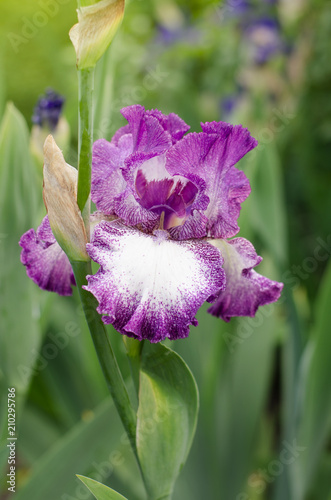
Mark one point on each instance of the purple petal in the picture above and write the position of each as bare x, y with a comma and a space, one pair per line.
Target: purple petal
148, 286
193, 227
245, 289
45, 261
107, 179
120, 132
234, 141
151, 190
130, 210
211, 155
147, 133
172, 123
234, 189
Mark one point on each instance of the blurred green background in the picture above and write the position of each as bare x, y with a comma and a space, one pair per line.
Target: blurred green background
265, 383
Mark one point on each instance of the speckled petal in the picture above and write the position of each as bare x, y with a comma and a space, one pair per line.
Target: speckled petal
148, 286
128, 209
245, 289
147, 135
147, 132
212, 155
145, 176
172, 123
193, 227
45, 261
107, 179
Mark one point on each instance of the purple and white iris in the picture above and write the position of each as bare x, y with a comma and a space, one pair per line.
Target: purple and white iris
170, 201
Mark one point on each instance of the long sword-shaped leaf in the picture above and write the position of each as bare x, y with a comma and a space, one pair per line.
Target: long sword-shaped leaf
97, 446
167, 416
314, 421
100, 491
20, 334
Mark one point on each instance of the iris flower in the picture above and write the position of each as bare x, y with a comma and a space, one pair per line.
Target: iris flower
167, 203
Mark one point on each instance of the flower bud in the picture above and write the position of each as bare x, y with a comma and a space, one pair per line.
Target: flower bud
60, 198
96, 28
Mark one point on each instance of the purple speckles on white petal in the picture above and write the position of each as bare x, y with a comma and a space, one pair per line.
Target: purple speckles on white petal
148, 286
45, 261
245, 289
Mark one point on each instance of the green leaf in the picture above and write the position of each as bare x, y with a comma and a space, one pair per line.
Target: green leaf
104, 95
100, 491
20, 199
241, 399
96, 445
314, 421
267, 214
167, 417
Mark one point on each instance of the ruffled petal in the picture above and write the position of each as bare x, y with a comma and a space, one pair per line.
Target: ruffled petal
172, 123
147, 132
147, 135
148, 286
128, 209
119, 133
45, 261
234, 190
245, 289
151, 190
107, 179
193, 227
235, 140
212, 155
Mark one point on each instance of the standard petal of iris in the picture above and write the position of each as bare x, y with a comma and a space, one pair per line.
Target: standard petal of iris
150, 287
212, 155
245, 289
148, 134
45, 261
141, 122
172, 123
107, 179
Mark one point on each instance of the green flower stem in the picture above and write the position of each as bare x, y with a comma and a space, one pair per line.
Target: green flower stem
97, 329
105, 353
85, 141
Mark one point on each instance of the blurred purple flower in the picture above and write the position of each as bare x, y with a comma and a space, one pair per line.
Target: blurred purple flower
237, 7
185, 32
229, 102
264, 40
48, 109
